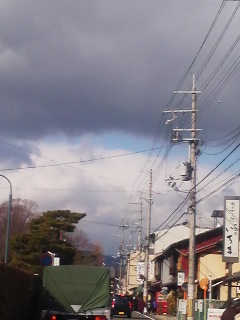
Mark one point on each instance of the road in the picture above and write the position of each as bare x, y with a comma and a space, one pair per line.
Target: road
135, 315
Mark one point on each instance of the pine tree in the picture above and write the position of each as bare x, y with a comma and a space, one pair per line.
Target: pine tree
46, 233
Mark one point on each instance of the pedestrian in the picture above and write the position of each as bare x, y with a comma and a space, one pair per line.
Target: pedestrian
141, 305
135, 303
231, 311
154, 307
149, 306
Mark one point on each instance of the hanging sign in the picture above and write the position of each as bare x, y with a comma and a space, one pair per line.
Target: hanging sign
231, 229
180, 277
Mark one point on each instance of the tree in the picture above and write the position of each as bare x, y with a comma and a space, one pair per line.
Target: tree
92, 254
80, 240
46, 233
98, 252
22, 212
87, 253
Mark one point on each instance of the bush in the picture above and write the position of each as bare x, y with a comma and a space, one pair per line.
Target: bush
172, 303
18, 291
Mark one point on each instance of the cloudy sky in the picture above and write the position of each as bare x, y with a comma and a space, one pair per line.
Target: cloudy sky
83, 87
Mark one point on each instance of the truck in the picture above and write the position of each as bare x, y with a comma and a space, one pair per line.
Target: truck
73, 292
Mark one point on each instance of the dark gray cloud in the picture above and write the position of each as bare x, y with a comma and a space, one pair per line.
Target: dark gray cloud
16, 154
75, 67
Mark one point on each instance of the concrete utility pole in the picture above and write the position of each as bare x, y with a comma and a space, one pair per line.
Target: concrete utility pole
140, 231
193, 141
145, 293
123, 227
139, 226
192, 210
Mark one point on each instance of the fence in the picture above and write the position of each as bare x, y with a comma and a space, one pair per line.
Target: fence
201, 309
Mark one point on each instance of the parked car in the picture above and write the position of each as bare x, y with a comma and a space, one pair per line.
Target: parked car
121, 305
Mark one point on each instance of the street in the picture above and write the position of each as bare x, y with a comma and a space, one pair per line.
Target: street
136, 315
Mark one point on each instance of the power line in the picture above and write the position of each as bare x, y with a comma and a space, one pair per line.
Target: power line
81, 161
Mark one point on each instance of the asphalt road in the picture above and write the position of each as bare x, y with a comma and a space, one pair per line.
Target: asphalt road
135, 315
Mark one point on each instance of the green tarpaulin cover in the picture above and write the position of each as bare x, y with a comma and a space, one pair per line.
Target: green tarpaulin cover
77, 288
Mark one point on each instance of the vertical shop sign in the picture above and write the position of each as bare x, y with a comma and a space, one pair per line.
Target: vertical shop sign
231, 229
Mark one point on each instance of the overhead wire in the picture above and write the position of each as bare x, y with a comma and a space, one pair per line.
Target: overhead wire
203, 43
199, 72
207, 60
217, 42
221, 85
232, 179
215, 46
206, 37
224, 159
197, 55
223, 137
228, 141
187, 196
78, 162
209, 183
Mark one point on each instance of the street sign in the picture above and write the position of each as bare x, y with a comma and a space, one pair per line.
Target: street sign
204, 283
180, 278
46, 259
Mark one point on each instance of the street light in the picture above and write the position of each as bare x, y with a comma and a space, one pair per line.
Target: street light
8, 218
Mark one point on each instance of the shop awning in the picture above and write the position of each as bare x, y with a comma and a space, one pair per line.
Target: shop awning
138, 289
235, 277
171, 283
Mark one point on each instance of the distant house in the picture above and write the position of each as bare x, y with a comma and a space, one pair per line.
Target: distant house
165, 261
135, 271
208, 263
171, 235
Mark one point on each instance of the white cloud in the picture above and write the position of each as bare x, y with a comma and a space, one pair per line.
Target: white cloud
104, 190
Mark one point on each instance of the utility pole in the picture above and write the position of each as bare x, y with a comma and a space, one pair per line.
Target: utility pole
139, 227
145, 293
140, 231
193, 141
192, 210
123, 227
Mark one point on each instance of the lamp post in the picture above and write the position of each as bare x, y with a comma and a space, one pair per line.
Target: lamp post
8, 219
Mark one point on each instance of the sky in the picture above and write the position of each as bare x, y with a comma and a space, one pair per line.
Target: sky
83, 90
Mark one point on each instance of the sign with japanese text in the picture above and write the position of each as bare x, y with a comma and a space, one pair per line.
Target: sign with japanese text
151, 270
214, 314
182, 306
180, 278
140, 272
231, 229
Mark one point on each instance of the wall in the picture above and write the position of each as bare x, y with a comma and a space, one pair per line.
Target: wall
131, 281
212, 264
132, 266
166, 237
165, 276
